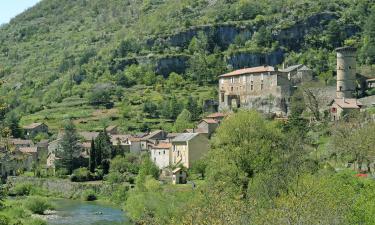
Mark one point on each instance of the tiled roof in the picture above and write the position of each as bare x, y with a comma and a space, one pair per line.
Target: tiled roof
88, 136
216, 115
348, 103
28, 149
172, 135
152, 134
21, 142
121, 137
185, 137
162, 145
32, 126
259, 69
291, 68
110, 128
211, 121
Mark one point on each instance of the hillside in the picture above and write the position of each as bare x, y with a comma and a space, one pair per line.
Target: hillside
66, 52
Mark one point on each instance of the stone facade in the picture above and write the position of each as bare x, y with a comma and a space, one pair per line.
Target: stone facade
346, 72
261, 88
188, 147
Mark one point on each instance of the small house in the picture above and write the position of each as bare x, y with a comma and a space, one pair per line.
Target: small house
33, 129
207, 126
160, 154
342, 106
188, 147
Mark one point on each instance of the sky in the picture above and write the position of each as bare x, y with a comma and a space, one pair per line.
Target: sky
11, 8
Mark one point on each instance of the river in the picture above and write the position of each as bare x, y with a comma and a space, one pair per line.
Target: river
72, 212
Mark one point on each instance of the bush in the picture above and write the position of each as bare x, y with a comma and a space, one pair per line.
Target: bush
36, 222
4, 220
80, 175
62, 173
21, 189
37, 205
88, 195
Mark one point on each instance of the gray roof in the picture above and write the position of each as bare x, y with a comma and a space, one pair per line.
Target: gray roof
304, 68
185, 137
291, 68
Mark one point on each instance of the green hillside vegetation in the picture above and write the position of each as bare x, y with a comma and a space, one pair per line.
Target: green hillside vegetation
105, 54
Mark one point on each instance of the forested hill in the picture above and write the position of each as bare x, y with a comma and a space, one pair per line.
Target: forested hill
64, 48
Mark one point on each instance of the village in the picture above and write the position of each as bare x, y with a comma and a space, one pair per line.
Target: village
265, 89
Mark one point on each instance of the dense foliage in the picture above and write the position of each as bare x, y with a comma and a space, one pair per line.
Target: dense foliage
98, 51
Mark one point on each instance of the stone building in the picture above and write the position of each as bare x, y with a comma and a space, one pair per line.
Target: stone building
343, 106
33, 129
262, 88
187, 148
298, 74
346, 72
160, 154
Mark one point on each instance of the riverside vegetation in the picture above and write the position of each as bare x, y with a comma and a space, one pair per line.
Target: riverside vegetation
87, 64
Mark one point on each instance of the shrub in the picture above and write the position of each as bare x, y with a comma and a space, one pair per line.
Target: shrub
37, 205
4, 220
62, 173
21, 189
88, 195
36, 222
80, 175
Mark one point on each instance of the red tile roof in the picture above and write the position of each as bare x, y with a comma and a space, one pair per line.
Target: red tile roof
259, 69
216, 115
162, 145
211, 121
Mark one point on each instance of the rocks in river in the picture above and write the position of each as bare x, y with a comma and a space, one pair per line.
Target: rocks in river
48, 215
98, 213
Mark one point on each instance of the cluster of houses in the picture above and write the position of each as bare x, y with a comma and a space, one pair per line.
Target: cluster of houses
167, 150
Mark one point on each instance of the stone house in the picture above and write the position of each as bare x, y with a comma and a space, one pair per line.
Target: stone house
298, 74
160, 154
207, 126
152, 139
33, 129
341, 106
12, 163
188, 147
32, 151
262, 88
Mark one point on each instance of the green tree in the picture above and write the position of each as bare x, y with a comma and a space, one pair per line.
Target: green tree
193, 107
92, 159
326, 77
12, 121
103, 148
367, 52
69, 148
183, 121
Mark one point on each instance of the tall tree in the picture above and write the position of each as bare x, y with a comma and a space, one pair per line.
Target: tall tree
69, 148
92, 159
103, 148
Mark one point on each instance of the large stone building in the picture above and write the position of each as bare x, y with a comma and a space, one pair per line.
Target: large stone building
262, 88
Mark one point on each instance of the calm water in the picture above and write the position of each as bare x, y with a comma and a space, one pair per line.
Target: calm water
71, 212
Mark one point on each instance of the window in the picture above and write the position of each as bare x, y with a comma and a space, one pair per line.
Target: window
159, 152
163, 152
231, 88
333, 110
261, 85
178, 153
340, 88
252, 85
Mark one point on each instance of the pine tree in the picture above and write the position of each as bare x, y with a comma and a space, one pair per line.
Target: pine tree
103, 147
92, 160
69, 147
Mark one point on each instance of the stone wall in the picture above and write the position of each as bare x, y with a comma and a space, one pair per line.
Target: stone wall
63, 187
